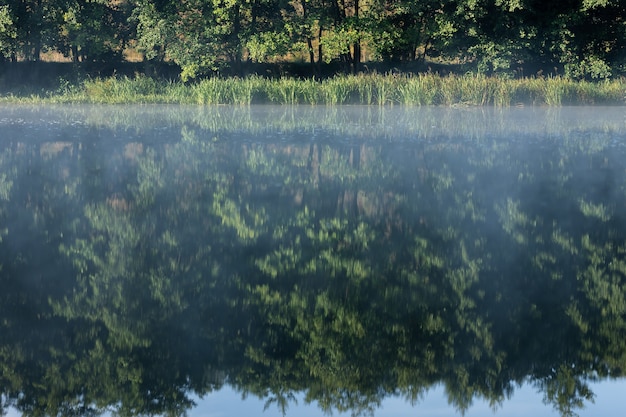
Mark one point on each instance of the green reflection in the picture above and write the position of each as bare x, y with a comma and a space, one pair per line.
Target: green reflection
347, 254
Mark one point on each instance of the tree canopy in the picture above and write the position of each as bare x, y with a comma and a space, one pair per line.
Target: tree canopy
577, 38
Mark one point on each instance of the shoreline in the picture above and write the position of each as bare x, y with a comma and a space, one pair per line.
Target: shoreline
426, 89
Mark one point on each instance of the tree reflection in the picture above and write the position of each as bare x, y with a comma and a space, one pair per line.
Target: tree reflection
137, 273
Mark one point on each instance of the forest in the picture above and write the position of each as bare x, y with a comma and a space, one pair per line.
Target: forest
580, 39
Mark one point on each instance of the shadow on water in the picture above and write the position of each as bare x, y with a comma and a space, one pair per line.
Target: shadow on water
152, 254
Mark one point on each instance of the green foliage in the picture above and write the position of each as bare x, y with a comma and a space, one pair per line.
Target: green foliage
337, 42
92, 30
266, 46
581, 40
8, 30
590, 66
195, 51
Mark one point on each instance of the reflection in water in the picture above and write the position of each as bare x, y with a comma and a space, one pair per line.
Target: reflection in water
350, 254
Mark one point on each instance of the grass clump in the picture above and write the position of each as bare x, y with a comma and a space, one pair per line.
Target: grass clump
368, 89
119, 90
420, 90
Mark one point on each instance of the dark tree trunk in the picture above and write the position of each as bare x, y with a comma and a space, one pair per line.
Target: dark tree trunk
319, 47
356, 53
236, 45
309, 41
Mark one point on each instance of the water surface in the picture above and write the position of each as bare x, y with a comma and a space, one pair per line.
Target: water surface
339, 257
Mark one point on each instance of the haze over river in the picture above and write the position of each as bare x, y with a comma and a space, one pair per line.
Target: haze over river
400, 261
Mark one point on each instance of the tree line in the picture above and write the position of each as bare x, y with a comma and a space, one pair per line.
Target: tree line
577, 38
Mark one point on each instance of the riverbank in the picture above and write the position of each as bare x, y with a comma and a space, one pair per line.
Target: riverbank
365, 89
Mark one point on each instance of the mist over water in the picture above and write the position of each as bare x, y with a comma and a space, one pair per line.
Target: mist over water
340, 255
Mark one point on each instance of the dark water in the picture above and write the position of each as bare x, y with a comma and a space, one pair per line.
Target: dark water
344, 256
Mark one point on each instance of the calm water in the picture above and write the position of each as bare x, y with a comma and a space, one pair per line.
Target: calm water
346, 259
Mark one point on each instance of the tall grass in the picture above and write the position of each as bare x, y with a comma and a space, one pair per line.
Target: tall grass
367, 89
420, 90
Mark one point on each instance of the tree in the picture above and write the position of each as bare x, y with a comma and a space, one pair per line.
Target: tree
95, 30
202, 36
33, 25
579, 39
8, 31
402, 31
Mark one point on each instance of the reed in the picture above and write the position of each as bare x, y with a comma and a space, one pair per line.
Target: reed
285, 91
368, 89
124, 90
310, 92
338, 90
386, 87
503, 92
209, 91
419, 90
